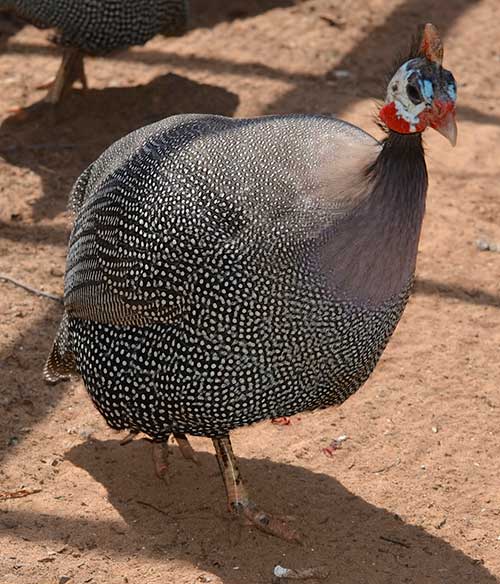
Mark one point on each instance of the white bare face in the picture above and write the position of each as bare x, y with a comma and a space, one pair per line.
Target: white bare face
405, 93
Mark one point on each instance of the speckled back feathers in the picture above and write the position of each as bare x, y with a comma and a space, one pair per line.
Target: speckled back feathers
195, 296
100, 26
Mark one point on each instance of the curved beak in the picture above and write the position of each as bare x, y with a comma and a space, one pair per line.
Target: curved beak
448, 127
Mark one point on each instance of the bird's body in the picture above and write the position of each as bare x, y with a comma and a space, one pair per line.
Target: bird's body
222, 271
198, 272
101, 26
98, 27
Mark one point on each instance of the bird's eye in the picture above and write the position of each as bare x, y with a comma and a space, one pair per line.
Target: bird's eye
414, 94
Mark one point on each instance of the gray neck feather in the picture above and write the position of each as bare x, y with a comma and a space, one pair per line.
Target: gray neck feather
369, 256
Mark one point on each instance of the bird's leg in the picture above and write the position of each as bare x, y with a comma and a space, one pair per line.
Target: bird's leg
129, 437
186, 448
160, 459
161, 453
237, 496
70, 70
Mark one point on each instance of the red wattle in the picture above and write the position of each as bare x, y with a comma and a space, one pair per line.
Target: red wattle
394, 121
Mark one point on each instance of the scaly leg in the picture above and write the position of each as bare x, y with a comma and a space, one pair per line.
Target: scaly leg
70, 70
186, 448
161, 454
238, 499
160, 459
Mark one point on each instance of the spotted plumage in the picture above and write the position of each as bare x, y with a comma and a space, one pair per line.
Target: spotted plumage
101, 26
195, 296
224, 271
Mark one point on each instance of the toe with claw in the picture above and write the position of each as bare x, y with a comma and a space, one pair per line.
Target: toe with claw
238, 500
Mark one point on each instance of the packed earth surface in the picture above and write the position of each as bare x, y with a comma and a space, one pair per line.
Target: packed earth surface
398, 485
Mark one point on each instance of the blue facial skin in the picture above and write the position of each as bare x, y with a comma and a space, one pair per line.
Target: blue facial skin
425, 85
442, 86
426, 89
452, 92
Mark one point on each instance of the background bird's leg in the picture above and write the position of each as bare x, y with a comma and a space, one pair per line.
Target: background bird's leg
185, 447
160, 459
237, 496
70, 70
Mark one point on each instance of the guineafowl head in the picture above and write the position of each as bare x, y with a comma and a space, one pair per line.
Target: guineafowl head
421, 93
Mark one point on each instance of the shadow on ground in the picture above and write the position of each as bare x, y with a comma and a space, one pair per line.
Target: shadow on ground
187, 520
429, 287
10, 25
25, 398
208, 13
58, 144
35, 233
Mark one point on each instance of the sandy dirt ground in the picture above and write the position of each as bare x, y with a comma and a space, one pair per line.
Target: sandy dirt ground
412, 496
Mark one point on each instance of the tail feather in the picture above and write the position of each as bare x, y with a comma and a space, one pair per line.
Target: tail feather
61, 363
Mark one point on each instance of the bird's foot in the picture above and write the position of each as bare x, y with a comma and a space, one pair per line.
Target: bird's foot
238, 500
281, 421
273, 525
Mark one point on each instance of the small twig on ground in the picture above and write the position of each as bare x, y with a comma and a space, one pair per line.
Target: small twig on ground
389, 466
48, 295
6, 495
333, 20
151, 506
395, 541
280, 572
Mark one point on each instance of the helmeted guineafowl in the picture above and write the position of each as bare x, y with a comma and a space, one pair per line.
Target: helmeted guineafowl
98, 27
223, 271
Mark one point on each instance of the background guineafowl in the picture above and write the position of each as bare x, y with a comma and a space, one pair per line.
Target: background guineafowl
98, 27
223, 271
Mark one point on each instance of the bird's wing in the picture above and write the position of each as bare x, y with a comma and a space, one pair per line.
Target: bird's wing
120, 269
134, 242
165, 202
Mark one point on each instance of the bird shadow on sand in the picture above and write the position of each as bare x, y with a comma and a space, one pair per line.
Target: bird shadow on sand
186, 520
208, 13
26, 399
59, 143
475, 115
477, 296
10, 25
35, 233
